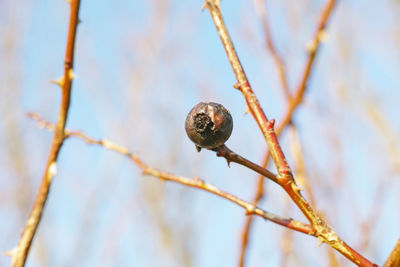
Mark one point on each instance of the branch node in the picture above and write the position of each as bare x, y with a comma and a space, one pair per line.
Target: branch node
106, 143
285, 179
211, 4
250, 210
241, 85
11, 253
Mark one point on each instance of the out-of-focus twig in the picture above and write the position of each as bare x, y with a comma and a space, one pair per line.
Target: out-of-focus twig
280, 64
249, 220
285, 178
20, 253
287, 250
197, 182
313, 48
302, 178
300, 170
375, 213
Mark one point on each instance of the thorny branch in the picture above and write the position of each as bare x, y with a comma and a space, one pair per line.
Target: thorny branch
266, 126
285, 177
197, 182
20, 253
293, 100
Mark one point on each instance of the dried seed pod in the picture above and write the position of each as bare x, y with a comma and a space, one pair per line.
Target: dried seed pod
209, 125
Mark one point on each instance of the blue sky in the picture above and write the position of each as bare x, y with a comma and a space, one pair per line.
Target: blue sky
141, 66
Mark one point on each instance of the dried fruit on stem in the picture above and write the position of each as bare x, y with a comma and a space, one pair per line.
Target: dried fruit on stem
209, 125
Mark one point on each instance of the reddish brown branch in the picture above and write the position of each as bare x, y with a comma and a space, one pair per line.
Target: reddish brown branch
313, 49
20, 253
196, 183
294, 101
394, 257
285, 178
266, 126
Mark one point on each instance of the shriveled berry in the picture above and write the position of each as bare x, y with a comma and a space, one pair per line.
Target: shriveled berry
209, 125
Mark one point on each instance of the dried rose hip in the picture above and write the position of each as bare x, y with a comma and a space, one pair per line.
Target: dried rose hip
209, 125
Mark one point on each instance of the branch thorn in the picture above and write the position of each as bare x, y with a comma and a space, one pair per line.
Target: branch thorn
237, 86
323, 35
229, 162
60, 81
320, 240
296, 187
12, 253
71, 74
271, 123
52, 171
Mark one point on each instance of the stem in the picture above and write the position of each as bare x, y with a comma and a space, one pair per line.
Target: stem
229, 155
20, 253
290, 187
